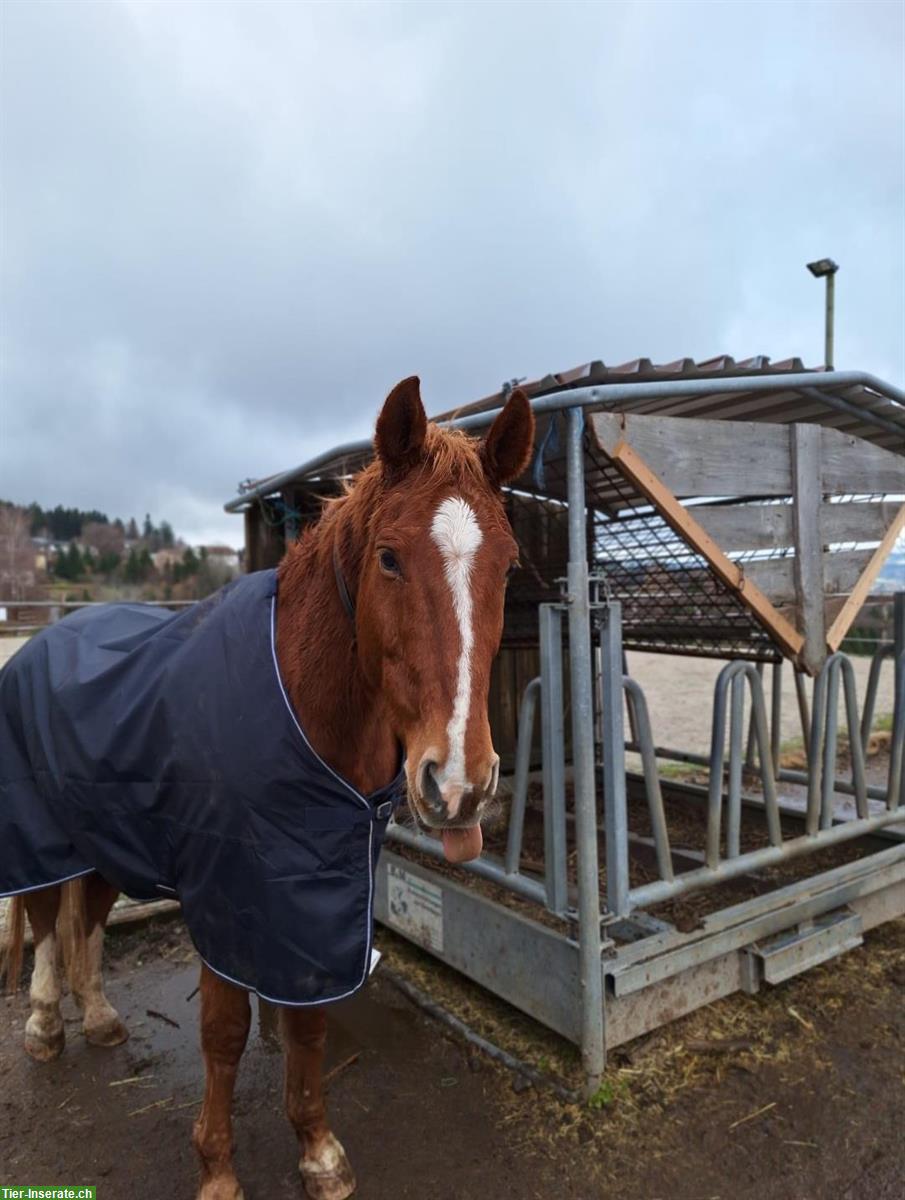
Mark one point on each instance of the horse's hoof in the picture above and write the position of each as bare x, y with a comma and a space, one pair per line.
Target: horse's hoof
326, 1174
43, 1046
222, 1188
109, 1033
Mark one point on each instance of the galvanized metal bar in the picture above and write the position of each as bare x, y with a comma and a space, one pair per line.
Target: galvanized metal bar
632, 724
734, 794
767, 771
732, 928
640, 720
593, 1040
870, 696
895, 790
763, 905
776, 715
553, 751
520, 783
874, 791
766, 856
856, 750
751, 745
852, 410
606, 394
897, 751
801, 695
815, 738
896, 783
615, 807
484, 867
828, 772
807, 565
715, 763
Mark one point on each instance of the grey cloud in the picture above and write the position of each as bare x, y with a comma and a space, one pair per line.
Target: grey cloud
227, 229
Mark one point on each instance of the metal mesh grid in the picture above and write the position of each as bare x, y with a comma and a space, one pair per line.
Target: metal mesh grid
671, 599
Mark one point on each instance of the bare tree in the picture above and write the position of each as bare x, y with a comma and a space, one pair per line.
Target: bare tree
104, 538
17, 554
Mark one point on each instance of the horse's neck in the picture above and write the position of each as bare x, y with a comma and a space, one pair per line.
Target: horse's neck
342, 718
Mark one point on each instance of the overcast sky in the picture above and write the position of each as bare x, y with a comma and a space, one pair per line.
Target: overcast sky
228, 229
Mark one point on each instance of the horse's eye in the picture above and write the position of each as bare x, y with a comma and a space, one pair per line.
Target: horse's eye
512, 568
389, 564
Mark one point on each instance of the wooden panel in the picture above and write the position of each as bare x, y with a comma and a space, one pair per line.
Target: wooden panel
738, 528
852, 465
776, 577
704, 458
679, 519
854, 522
840, 626
742, 527
693, 457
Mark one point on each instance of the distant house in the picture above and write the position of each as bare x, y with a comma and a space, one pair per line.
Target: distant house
45, 550
168, 557
226, 556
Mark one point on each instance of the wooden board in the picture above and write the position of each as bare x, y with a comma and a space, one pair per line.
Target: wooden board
850, 465
704, 458
776, 576
860, 592
739, 528
694, 457
684, 524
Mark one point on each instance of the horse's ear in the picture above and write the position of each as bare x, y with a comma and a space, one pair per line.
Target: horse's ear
401, 428
506, 450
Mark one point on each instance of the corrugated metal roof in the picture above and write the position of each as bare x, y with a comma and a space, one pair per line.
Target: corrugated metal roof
824, 403
637, 370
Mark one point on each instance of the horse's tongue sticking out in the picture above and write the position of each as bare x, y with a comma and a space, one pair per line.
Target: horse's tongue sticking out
459, 845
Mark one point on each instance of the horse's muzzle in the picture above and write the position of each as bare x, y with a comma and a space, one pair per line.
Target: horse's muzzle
447, 802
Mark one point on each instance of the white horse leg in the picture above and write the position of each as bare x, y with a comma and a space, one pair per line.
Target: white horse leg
44, 1033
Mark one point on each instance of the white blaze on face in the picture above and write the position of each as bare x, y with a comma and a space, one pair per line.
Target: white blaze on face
457, 534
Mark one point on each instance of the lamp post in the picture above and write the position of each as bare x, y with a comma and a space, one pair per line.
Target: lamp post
826, 268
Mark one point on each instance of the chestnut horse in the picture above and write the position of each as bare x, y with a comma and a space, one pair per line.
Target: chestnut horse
389, 614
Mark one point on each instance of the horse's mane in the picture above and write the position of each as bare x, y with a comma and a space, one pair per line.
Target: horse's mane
450, 458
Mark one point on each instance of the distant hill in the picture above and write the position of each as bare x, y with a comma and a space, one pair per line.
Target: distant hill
61, 524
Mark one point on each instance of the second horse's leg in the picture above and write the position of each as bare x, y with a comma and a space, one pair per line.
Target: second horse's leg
44, 1035
324, 1167
101, 1023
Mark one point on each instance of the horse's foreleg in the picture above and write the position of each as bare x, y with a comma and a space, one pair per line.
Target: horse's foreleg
324, 1167
100, 1022
225, 1018
44, 1034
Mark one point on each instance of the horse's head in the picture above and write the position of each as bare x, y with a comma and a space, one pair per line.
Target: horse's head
430, 600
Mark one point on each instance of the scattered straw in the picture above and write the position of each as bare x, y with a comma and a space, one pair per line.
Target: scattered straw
801, 1020
148, 1107
751, 1116
340, 1067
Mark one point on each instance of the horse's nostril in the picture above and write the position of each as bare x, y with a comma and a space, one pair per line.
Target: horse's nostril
429, 788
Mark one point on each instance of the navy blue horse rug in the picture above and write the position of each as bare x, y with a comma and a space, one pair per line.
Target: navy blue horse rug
160, 749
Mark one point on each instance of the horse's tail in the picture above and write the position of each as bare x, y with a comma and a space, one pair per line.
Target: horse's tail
13, 944
72, 932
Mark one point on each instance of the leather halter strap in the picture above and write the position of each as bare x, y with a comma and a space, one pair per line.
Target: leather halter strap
341, 586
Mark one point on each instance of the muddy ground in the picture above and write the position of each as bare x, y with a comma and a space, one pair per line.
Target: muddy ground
793, 1094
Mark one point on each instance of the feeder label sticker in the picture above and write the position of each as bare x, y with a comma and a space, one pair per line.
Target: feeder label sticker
415, 908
